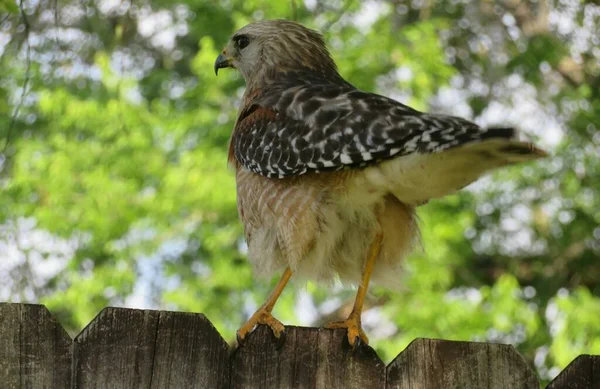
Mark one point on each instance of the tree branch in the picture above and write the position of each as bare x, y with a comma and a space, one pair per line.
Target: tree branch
15, 114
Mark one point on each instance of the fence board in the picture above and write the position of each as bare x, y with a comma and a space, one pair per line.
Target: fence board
432, 364
307, 358
190, 353
128, 348
582, 373
35, 351
116, 350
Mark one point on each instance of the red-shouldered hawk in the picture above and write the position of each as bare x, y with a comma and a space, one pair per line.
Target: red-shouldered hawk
328, 176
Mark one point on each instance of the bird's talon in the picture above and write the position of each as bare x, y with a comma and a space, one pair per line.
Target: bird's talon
281, 340
262, 316
355, 334
239, 338
275, 325
357, 342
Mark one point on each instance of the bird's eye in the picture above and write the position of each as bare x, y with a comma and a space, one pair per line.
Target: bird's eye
242, 41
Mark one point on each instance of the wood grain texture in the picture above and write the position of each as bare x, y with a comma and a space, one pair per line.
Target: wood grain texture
582, 373
126, 348
116, 350
189, 353
432, 364
35, 351
305, 358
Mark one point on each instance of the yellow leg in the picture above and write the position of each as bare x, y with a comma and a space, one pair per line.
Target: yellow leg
263, 314
353, 323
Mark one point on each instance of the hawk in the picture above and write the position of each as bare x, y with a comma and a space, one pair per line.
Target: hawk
328, 177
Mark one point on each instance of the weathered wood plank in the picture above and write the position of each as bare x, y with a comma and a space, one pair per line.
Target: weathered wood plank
582, 373
305, 358
432, 364
35, 351
127, 348
116, 350
190, 353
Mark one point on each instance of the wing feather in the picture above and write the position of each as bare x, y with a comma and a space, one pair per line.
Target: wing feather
322, 127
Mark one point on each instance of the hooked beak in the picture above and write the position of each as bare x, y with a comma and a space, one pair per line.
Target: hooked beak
222, 62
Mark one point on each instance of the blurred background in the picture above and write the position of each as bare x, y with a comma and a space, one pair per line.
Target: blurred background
114, 188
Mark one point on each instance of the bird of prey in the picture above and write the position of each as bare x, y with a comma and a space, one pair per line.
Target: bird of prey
328, 176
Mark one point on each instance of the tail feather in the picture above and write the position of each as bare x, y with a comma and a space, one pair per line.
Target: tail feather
523, 148
504, 144
499, 132
418, 178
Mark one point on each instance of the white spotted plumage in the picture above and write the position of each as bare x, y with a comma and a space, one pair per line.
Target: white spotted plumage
320, 126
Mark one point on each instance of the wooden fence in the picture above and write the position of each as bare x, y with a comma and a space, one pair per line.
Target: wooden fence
128, 348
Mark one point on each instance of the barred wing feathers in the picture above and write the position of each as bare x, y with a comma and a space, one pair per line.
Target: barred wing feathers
315, 128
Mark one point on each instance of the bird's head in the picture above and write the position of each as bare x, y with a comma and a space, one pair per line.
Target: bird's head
263, 49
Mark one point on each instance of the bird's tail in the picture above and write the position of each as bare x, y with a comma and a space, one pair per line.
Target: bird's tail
416, 179
502, 143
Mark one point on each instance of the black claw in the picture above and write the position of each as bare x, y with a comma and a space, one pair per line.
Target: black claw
358, 343
281, 340
239, 339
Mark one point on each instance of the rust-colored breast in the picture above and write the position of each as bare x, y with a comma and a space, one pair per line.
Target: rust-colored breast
289, 206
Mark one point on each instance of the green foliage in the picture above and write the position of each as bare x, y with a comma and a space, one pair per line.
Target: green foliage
576, 324
117, 154
8, 6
